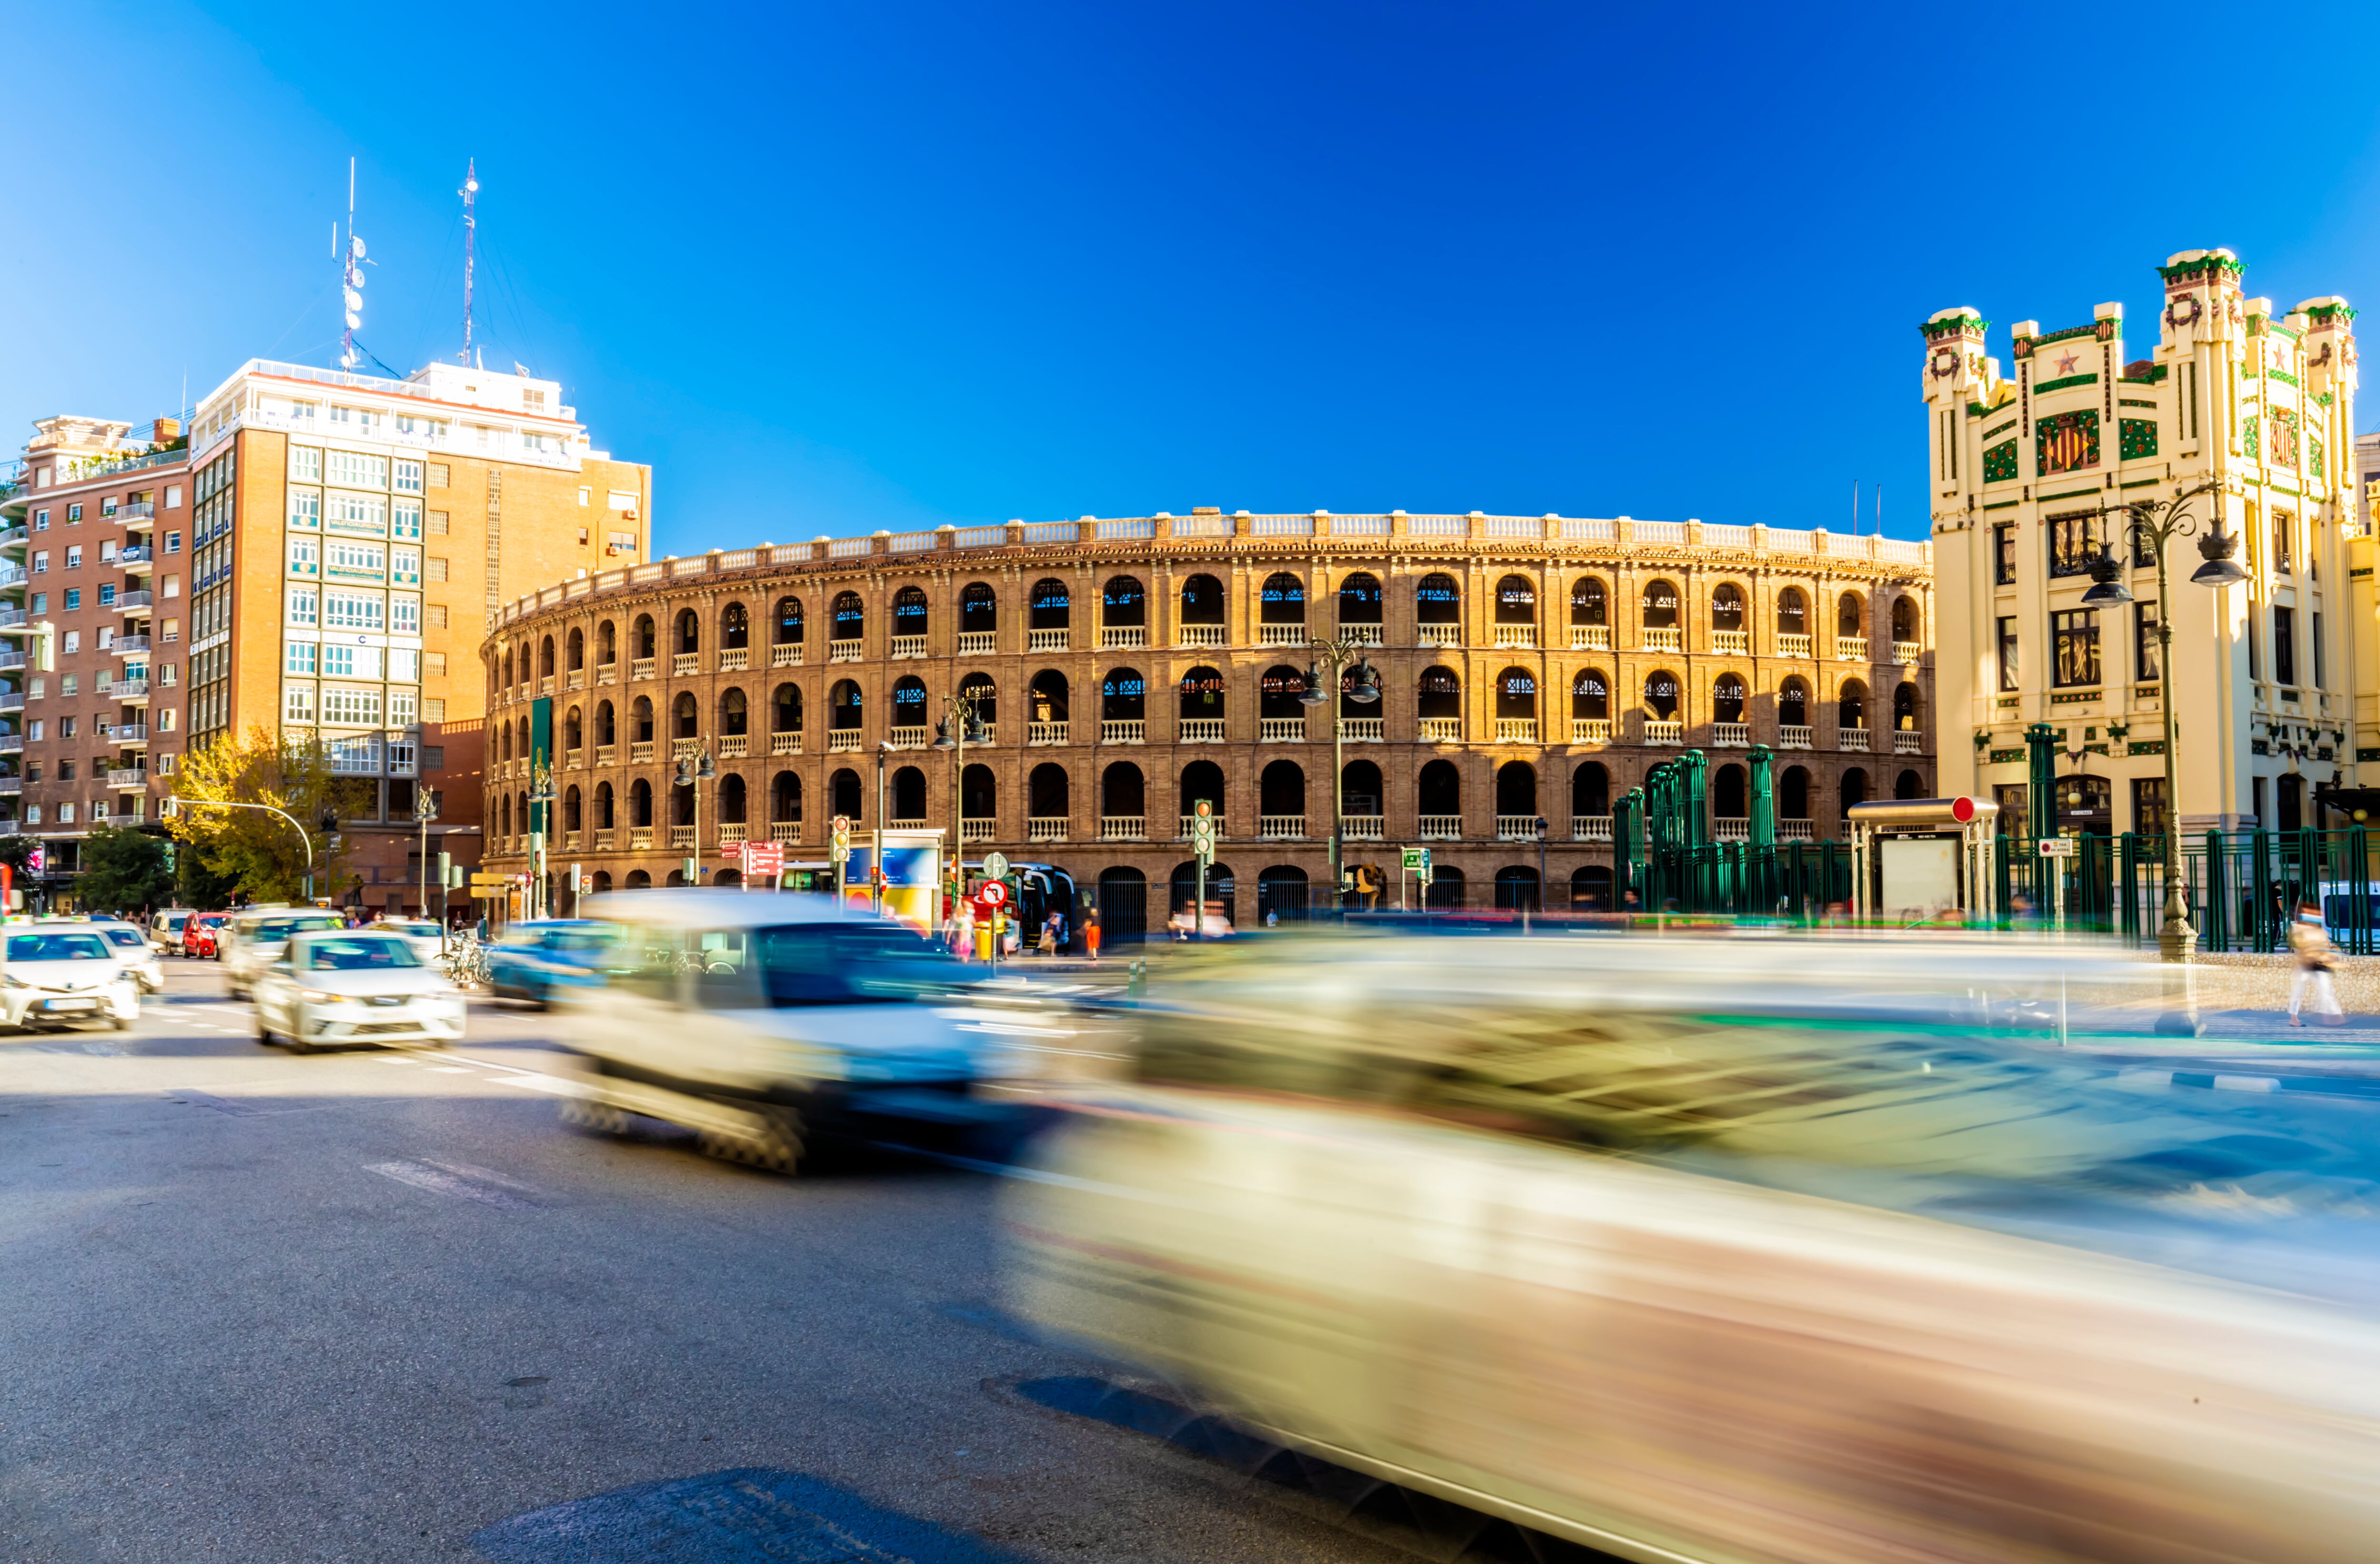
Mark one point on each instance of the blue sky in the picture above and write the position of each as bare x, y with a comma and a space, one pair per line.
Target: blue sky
832, 269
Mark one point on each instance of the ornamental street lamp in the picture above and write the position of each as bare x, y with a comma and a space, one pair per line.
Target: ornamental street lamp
2155, 523
1363, 690
959, 726
693, 770
425, 809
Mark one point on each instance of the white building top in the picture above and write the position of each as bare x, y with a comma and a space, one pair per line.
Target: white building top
444, 407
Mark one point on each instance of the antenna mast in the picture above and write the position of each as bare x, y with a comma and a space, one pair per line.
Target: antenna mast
351, 278
470, 234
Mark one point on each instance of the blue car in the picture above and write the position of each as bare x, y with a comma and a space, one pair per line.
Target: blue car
536, 961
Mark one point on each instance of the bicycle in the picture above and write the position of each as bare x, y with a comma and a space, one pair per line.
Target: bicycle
464, 962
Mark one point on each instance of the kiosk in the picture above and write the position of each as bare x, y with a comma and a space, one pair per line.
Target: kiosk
1923, 860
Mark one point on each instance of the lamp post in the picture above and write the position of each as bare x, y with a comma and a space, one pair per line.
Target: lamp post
876, 868
693, 770
1338, 654
540, 798
425, 809
959, 724
2156, 522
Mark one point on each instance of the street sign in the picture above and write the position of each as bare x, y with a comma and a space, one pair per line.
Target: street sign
995, 866
2055, 846
763, 858
992, 893
1417, 860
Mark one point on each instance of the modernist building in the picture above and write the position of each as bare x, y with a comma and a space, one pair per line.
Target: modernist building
1128, 669
321, 554
2024, 469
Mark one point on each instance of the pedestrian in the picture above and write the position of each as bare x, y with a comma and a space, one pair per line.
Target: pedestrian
1092, 932
2316, 959
963, 930
1050, 934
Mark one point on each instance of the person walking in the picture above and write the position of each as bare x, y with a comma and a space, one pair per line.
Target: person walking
2310, 942
1050, 934
1092, 933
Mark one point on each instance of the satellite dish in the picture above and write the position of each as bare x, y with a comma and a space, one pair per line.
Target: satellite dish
354, 301
354, 278
354, 320
356, 245
349, 360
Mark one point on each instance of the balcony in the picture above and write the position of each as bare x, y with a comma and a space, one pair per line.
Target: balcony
1363, 730
1282, 635
131, 692
1281, 730
12, 657
844, 651
603, 837
640, 669
908, 645
1796, 736
978, 831
735, 746
842, 741
12, 744
1664, 637
12, 537
132, 511
682, 837
129, 646
1048, 640
1449, 634
607, 754
12, 619
1850, 649
119, 779
1280, 828
11, 787
1590, 828
1907, 651
1730, 735
1732, 640
1123, 731
684, 748
1854, 739
978, 643
138, 561
1516, 730
1189, 822
1442, 828
1795, 831
640, 752
730, 833
545, 686
1201, 730
1363, 635
1516, 637
574, 679
786, 742
131, 602
12, 700
1442, 730
1123, 637
639, 838
127, 735
1724, 829
1201, 634
684, 664
1516, 827
1794, 645
909, 737
786, 654
1363, 828
1123, 828
1046, 830
1590, 729
1590, 637
785, 830
1658, 732
1908, 741
1046, 732
734, 660
607, 672
11, 575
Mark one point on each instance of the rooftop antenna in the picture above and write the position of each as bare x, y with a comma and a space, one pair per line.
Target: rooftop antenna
1879, 508
351, 277
470, 233
1855, 483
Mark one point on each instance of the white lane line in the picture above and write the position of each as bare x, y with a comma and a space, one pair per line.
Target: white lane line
449, 1070
445, 1182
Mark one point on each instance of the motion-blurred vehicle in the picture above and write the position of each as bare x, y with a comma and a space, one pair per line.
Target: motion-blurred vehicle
536, 960
54, 974
134, 954
427, 940
165, 930
202, 935
334, 987
1763, 1250
765, 1022
259, 935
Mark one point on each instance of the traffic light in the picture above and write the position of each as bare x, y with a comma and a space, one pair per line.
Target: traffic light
840, 840
169, 854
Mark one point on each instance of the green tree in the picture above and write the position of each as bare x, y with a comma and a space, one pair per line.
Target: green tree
124, 869
258, 854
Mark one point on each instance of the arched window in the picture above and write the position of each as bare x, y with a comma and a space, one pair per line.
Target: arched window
1851, 704
1516, 601
638, 880
1516, 888
910, 614
789, 622
1590, 698
1202, 601
735, 713
1278, 692
688, 715
689, 630
1221, 887
1661, 692
1121, 905
1439, 793
909, 702
1730, 793
640, 802
578, 650
1360, 789
1124, 695
1854, 789
1282, 601
1590, 791
545, 658
1726, 607
786, 709
1281, 792
843, 711
1438, 599
1202, 695
845, 796
1847, 615
1283, 895
1438, 694
1201, 779
1793, 794
504, 678
1794, 704
606, 729
574, 730
603, 803
1590, 888
1904, 619
1904, 708
1792, 612
734, 806
641, 721
1050, 608
1516, 695
642, 639
907, 804
607, 644
1045, 792
734, 628
978, 793
1909, 784
978, 609
505, 815
1589, 604
1046, 695
1661, 605
1727, 698
979, 687
850, 619
1516, 789
1123, 603
1359, 599
785, 798
1123, 794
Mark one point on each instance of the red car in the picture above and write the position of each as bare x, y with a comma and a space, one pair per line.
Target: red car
199, 934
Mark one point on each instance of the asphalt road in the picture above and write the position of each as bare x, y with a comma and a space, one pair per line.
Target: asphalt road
380, 1306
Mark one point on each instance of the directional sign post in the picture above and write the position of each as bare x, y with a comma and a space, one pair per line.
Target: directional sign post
995, 866
1417, 862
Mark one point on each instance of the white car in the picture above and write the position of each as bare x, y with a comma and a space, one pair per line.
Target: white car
165, 930
64, 971
256, 939
355, 986
429, 940
136, 956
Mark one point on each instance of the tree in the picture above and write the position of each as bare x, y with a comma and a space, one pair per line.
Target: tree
124, 869
257, 853
17, 849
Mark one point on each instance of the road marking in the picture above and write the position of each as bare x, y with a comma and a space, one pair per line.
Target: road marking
444, 1180
449, 1070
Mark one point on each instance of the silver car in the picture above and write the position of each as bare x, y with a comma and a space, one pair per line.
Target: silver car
135, 954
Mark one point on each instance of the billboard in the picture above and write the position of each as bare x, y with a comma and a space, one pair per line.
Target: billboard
912, 877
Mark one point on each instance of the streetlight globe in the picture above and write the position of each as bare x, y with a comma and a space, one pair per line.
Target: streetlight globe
942, 740
705, 771
2220, 569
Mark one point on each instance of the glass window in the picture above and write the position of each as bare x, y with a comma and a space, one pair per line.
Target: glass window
74, 598
300, 658
306, 508
405, 615
2285, 647
358, 469
57, 947
2145, 659
2004, 554
305, 464
369, 953
2076, 636
2073, 542
297, 703
303, 607
409, 478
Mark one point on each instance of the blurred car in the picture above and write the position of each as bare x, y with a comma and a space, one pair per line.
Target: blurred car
427, 940
134, 954
202, 934
764, 1021
1773, 1251
535, 961
165, 930
259, 935
58, 972
334, 987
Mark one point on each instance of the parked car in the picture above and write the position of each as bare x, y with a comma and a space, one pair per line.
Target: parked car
165, 930
202, 935
335, 986
53, 973
134, 954
259, 936
536, 961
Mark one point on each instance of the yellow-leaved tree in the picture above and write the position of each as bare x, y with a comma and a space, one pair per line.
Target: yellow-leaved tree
258, 852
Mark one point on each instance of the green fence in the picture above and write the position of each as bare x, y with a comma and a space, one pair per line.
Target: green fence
2240, 886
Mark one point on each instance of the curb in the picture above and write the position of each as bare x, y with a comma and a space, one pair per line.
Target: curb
2225, 1081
